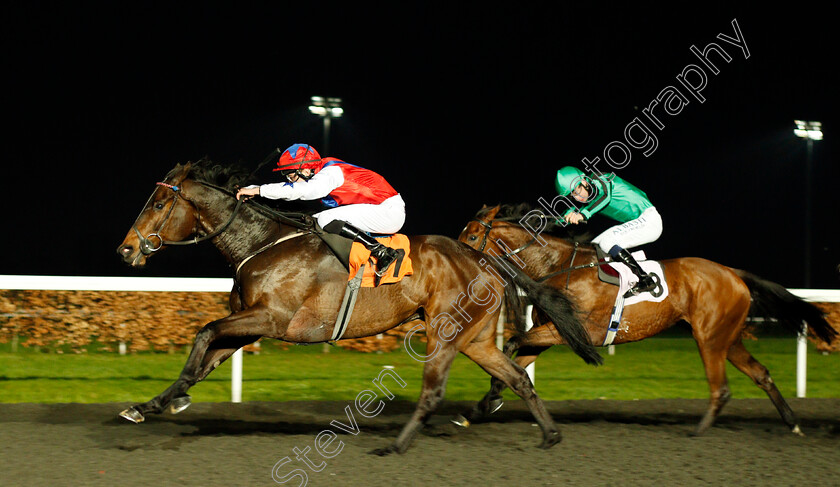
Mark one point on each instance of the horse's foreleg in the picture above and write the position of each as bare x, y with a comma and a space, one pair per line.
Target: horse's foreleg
178, 399
435, 373
746, 363
221, 350
157, 404
214, 342
492, 360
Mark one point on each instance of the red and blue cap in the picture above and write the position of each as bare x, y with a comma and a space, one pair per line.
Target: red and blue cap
297, 157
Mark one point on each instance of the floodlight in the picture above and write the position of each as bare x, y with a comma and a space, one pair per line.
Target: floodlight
808, 130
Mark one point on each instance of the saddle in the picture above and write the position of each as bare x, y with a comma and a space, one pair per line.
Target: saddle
620, 275
342, 248
354, 255
357, 260
606, 273
339, 245
361, 256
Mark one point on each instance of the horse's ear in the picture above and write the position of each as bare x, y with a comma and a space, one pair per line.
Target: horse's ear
493, 211
483, 206
178, 173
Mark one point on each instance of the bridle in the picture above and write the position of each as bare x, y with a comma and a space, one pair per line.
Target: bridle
489, 226
147, 246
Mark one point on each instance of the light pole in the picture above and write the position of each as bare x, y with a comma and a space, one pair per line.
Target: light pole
810, 131
328, 108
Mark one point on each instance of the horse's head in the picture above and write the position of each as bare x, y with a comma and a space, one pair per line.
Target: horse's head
511, 228
167, 216
477, 230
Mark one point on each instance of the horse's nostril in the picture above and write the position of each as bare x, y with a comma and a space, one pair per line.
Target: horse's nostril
125, 250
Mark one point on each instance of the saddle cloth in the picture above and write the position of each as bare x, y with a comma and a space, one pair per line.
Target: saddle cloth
360, 255
626, 277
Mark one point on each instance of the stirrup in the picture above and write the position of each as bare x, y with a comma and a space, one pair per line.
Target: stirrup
381, 270
637, 289
394, 255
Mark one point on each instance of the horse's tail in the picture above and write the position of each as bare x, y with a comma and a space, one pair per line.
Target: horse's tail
558, 307
516, 305
772, 300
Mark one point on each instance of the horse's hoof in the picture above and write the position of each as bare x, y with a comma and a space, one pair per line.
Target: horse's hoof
133, 415
461, 421
495, 405
552, 439
797, 431
384, 451
179, 404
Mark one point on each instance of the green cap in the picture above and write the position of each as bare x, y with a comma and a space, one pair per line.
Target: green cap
567, 180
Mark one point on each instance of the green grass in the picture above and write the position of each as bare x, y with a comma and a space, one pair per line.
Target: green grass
650, 369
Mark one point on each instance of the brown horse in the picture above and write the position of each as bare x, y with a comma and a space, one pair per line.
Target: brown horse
289, 286
714, 299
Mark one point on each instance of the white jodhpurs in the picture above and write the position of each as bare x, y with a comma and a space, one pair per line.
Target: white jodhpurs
386, 217
644, 229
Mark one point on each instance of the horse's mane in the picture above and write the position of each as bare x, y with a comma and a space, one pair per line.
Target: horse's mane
514, 212
224, 176
229, 177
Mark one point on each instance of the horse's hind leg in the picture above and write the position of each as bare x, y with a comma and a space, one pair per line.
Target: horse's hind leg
715, 365
746, 363
529, 346
492, 360
492, 401
435, 373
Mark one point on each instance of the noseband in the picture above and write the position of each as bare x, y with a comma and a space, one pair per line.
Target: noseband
147, 246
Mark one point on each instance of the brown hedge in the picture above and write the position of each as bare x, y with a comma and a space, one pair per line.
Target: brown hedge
160, 321
143, 320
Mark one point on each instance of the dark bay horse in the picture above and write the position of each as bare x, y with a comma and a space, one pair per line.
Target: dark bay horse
714, 299
288, 285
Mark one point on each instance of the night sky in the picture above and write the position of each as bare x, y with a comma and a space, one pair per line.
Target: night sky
455, 106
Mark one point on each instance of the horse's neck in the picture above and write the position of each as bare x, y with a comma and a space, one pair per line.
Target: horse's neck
249, 231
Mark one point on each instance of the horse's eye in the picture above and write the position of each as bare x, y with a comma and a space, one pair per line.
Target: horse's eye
158, 206
473, 237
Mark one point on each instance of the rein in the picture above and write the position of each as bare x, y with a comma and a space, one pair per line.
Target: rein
266, 247
570, 268
489, 226
146, 245
300, 221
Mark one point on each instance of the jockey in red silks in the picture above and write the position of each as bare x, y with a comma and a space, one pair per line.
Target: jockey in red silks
361, 201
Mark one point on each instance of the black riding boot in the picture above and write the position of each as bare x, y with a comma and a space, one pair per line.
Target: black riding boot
385, 256
645, 284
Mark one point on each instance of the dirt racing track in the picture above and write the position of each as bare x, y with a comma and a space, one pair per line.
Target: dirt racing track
617, 443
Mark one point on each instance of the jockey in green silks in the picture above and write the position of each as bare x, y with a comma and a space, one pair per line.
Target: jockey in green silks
613, 197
